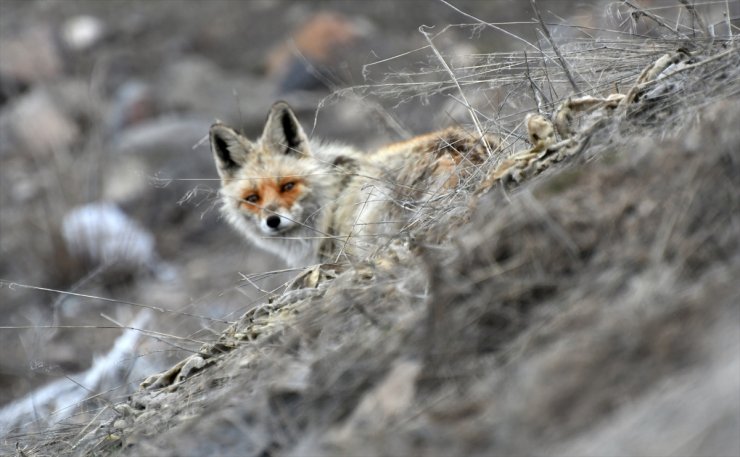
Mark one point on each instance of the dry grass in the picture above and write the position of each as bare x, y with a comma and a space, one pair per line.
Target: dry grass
585, 306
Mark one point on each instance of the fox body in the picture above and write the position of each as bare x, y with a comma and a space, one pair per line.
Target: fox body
308, 201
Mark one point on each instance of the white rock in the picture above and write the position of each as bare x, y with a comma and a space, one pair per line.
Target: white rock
60, 399
105, 235
82, 32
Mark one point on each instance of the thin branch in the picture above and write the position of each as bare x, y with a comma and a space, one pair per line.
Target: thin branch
11, 285
536, 91
471, 110
697, 17
488, 24
546, 31
728, 21
655, 18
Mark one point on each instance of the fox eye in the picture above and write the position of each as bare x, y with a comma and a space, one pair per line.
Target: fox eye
287, 186
254, 198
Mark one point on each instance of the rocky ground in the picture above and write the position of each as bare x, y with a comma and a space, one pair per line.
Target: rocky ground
578, 298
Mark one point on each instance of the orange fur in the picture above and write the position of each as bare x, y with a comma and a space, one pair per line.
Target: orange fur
416, 143
271, 196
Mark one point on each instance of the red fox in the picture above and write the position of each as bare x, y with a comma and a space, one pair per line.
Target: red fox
311, 202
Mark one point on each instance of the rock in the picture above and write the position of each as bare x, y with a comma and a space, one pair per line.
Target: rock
133, 103
321, 41
30, 56
38, 124
82, 32
197, 85
102, 234
162, 137
127, 179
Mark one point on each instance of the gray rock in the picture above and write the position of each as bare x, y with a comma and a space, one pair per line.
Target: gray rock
30, 56
162, 137
38, 124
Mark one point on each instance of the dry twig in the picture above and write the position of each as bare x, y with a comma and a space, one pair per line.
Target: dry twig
555, 47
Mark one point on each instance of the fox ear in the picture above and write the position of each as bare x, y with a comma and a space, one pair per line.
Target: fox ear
229, 151
283, 132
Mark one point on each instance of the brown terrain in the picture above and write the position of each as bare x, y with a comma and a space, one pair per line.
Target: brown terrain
575, 297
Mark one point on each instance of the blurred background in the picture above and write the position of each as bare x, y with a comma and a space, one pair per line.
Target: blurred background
107, 186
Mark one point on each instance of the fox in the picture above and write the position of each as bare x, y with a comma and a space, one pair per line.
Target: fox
310, 201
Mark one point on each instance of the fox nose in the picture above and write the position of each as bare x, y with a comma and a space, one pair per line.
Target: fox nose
273, 221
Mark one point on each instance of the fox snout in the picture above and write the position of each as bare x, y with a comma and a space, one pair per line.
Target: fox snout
275, 222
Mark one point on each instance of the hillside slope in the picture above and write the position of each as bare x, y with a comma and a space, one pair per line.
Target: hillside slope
590, 310
578, 297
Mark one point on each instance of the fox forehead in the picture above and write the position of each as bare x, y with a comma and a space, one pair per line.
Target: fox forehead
259, 168
259, 154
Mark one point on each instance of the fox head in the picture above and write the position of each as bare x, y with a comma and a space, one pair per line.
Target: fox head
267, 185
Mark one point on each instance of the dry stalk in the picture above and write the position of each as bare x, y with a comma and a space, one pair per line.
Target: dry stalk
563, 62
657, 19
466, 103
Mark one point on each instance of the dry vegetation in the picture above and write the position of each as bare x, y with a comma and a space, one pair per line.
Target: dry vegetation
575, 297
